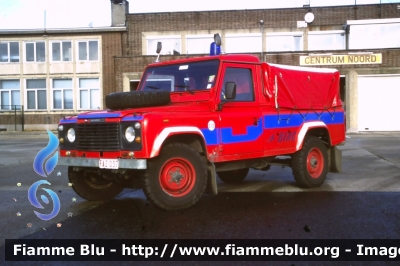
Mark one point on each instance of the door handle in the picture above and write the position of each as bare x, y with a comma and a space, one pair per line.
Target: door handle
256, 121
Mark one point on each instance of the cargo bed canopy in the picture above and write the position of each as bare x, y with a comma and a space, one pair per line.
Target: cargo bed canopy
301, 87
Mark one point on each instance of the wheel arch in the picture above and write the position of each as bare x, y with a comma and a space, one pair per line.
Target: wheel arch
191, 139
318, 129
191, 136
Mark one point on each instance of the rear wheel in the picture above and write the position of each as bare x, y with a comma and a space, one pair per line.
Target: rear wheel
92, 186
177, 178
310, 164
233, 176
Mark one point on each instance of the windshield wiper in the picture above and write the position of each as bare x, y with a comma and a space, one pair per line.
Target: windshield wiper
152, 87
185, 87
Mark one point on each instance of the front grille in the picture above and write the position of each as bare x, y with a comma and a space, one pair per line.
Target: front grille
98, 137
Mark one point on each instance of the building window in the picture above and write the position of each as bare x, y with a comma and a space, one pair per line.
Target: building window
284, 42
9, 52
36, 94
89, 93
62, 94
61, 51
370, 36
243, 43
198, 44
171, 45
88, 50
326, 40
35, 51
10, 94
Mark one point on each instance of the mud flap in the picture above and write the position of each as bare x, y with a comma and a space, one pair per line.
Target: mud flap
335, 160
212, 180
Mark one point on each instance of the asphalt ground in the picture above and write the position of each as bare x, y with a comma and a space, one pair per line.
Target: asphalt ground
362, 202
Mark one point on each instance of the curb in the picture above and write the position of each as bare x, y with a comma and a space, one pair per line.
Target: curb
14, 133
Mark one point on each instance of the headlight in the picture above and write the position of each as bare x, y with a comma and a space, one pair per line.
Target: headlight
129, 134
71, 135
60, 128
137, 125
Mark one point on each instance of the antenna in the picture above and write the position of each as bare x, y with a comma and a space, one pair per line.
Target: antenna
44, 18
262, 38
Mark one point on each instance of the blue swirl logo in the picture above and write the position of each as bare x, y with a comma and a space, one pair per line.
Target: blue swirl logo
43, 165
33, 200
40, 158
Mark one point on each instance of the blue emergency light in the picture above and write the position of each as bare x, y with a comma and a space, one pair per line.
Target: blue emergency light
215, 47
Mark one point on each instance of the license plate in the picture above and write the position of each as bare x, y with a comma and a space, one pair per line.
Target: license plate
109, 163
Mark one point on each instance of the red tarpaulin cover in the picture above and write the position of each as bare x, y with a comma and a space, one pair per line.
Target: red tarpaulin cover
301, 87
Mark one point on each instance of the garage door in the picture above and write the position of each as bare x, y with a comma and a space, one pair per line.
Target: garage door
378, 103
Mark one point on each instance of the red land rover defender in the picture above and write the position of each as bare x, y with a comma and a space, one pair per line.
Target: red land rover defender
193, 119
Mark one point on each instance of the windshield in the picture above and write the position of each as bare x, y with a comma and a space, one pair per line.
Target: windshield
181, 77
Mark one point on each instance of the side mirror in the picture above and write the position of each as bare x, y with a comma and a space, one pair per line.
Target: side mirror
230, 90
229, 94
159, 47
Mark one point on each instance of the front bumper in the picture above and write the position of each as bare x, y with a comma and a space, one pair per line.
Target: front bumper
86, 162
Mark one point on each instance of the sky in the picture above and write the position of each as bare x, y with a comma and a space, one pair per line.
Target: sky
53, 14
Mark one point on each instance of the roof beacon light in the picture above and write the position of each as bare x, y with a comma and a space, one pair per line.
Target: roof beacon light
215, 48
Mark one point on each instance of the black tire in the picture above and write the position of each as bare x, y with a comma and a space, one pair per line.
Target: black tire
233, 176
131, 99
93, 187
310, 164
176, 178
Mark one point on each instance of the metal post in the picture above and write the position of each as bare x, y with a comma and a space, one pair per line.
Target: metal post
22, 118
15, 117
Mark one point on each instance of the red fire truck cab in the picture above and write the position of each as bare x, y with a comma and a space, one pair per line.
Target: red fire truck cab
194, 119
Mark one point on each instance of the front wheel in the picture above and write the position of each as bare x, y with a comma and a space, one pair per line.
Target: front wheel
177, 178
92, 186
310, 164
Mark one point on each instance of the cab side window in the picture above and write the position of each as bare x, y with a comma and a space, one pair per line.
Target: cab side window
244, 84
